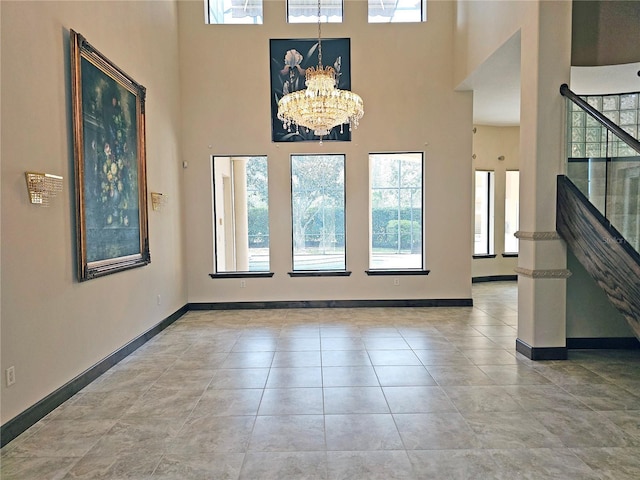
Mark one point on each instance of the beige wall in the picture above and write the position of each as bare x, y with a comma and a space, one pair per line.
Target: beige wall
404, 74
489, 143
54, 328
483, 26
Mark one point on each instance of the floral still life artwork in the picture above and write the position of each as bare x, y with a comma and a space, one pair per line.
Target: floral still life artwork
289, 61
108, 109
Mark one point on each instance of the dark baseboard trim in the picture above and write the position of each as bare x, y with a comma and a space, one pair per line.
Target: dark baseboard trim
33, 414
604, 343
495, 278
445, 302
541, 353
242, 275
390, 273
320, 273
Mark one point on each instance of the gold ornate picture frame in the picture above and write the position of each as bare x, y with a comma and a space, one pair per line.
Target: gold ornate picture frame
108, 109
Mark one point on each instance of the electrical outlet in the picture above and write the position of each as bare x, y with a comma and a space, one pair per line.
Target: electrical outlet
243, 283
396, 281
159, 299
11, 376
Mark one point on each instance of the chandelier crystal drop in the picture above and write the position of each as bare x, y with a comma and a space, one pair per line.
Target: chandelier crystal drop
321, 106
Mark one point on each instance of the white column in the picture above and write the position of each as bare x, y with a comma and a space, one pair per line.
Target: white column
545, 65
241, 237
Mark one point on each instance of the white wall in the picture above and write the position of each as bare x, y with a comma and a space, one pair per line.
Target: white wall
54, 328
404, 74
489, 143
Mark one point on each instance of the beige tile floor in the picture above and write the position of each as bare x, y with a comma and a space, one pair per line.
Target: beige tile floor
384, 393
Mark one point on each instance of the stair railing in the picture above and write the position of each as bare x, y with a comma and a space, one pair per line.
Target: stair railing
603, 160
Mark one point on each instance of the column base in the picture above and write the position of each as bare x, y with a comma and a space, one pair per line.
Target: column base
541, 353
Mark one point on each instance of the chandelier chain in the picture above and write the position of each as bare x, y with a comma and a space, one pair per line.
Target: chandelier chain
319, 38
322, 105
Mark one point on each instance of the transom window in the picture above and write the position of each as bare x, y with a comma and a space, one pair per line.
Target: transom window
317, 207
241, 214
233, 11
397, 11
396, 205
306, 11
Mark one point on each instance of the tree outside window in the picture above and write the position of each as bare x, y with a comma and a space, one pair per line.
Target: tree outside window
317, 205
396, 211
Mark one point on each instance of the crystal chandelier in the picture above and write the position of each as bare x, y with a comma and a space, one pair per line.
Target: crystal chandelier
321, 106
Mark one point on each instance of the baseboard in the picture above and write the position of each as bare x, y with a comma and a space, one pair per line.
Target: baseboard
445, 302
604, 343
33, 414
494, 278
541, 353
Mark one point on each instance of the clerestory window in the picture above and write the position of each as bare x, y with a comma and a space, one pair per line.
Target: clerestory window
397, 11
233, 11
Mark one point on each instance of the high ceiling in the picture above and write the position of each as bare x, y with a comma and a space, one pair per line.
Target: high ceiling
496, 87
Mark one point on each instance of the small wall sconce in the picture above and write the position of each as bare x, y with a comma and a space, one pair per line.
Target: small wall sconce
42, 187
501, 158
158, 200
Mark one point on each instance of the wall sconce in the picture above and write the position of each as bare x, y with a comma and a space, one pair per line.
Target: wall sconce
42, 187
501, 158
158, 200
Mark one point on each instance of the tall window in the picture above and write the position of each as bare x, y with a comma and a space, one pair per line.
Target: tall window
317, 207
306, 11
484, 213
397, 11
511, 211
233, 11
241, 214
396, 211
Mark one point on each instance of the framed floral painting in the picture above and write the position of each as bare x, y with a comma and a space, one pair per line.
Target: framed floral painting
289, 61
108, 110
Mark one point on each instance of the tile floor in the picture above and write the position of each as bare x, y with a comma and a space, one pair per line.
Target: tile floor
384, 393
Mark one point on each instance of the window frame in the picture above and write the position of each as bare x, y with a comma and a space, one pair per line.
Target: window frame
423, 15
215, 194
396, 270
314, 19
490, 213
318, 272
208, 17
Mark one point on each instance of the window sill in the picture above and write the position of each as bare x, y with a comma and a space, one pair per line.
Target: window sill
484, 256
395, 273
320, 273
241, 275
510, 255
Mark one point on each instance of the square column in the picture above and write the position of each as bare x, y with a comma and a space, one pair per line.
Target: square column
545, 65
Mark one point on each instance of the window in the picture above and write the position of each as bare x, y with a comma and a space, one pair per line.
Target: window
241, 214
306, 11
483, 241
397, 11
317, 207
511, 210
396, 211
233, 11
